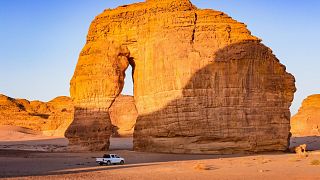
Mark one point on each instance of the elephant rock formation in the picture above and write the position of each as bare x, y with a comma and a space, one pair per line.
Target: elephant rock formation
202, 82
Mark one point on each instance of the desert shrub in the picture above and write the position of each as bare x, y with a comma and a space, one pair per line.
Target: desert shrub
202, 167
315, 162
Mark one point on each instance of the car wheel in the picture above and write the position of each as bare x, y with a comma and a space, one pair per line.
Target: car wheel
101, 164
121, 162
108, 163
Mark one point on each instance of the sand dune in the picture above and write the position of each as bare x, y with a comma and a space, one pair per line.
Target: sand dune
19, 138
12, 133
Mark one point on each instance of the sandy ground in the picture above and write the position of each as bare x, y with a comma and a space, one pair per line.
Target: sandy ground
40, 165
49, 160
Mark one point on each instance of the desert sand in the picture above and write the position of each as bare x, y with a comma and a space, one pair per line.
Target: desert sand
25, 154
38, 165
19, 138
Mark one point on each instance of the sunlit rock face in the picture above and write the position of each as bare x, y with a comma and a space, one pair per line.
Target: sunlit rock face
51, 118
123, 115
97, 81
307, 121
202, 82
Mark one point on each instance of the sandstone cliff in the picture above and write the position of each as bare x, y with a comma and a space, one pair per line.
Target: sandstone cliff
51, 118
54, 117
123, 115
307, 121
202, 82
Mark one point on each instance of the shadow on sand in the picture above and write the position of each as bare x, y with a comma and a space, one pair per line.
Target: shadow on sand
312, 142
15, 163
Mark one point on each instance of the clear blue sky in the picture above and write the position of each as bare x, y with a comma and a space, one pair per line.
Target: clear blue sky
41, 40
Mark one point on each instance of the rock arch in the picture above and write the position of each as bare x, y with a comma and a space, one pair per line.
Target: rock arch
202, 82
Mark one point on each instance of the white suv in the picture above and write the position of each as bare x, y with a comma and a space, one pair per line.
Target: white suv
109, 159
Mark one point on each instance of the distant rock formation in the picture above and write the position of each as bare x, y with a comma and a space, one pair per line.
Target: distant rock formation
51, 118
54, 117
123, 115
202, 82
307, 121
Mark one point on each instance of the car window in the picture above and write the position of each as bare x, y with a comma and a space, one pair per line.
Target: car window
106, 156
117, 156
112, 156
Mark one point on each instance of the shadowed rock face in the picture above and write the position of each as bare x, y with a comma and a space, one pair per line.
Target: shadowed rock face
202, 82
51, 118
307, 121
238, 103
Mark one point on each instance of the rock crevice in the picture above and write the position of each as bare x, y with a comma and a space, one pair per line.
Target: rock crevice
194, 29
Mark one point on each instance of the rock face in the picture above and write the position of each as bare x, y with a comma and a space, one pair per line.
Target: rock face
51, 118
202, 82
97, 81
123, 115
307, 121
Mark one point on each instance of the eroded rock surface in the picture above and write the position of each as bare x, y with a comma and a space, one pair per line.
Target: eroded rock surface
51, 118
202, 82
123, 114
97, 81
307, 121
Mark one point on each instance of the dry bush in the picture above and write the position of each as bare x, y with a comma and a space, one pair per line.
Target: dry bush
315, 162
262, 160
301, 151
295, 159
202, 167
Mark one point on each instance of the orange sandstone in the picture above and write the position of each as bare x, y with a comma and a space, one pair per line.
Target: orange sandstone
202, 82
123, 115
51, 118
307, 121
